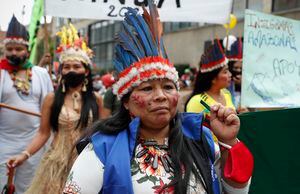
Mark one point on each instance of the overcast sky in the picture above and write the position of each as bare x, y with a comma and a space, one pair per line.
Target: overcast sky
10, 7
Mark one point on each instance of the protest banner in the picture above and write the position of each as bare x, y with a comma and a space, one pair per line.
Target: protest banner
213, 11
271, 62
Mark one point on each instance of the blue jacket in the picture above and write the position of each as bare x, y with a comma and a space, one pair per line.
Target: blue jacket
116, 152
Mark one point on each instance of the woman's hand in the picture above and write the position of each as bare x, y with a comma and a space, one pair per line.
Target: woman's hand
242, 109
17, 160
224, 123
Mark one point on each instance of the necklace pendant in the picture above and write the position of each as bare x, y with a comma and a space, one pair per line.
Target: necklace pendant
155, 162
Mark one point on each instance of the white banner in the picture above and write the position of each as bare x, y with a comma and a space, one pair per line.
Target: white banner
208, 11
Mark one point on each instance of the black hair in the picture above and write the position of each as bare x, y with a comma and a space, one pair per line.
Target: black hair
193, 155
89, 103
203, 83
230, 65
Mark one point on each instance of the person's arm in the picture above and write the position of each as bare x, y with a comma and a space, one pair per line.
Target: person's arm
236, 159
41, 136
45, 60
86, 175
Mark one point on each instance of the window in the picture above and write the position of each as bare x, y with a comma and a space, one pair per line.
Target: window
255, 5
283, 5
102, 42
176, 26
238, 8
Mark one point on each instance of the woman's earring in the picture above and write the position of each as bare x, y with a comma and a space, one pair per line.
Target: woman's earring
63, 86
86, 81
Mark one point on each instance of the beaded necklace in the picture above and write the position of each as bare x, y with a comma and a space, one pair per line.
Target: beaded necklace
22, 84
155, 153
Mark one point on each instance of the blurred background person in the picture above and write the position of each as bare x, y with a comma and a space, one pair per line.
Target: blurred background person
111, 103
72, 108
211, 82
235, 64
23, 86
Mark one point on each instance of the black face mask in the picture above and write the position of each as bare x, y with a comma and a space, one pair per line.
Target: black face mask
73, 79
15, 60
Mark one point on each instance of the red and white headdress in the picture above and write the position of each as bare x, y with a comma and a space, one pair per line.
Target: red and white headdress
139, 53
213, 58
236, 51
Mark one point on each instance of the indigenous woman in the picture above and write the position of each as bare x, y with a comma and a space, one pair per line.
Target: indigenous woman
73, 107
147, 147
211, 82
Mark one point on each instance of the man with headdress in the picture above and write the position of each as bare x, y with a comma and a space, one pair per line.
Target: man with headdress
23, 86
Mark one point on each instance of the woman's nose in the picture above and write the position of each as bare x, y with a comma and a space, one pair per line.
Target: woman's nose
159, 94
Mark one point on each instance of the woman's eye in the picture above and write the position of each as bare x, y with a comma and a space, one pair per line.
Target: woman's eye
147, 88
169, 87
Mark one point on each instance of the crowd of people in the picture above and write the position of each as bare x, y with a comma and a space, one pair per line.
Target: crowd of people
121, 132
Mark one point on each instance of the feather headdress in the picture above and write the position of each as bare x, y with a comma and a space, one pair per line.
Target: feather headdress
139, 52
73, 47
236, 51
213, 58
16, 33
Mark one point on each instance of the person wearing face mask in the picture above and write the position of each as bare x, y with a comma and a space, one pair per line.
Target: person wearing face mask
147, 146
24, 86
67, 112
235, 57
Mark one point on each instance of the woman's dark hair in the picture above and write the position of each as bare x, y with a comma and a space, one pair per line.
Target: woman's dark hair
193, 155
89, 103
203, 83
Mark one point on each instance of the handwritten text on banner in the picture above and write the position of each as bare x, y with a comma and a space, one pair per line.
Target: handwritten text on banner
271, 65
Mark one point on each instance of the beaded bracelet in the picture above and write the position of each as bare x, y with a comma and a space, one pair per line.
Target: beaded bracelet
26, 153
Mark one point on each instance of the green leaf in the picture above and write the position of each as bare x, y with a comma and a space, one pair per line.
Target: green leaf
153, 179
143, 179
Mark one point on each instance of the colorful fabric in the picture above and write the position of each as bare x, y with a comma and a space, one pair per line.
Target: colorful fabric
146, 69
213, 58
195, 106
236, 51
52, 172
4, 64
72, 47
18, 129
109, 148
89, 174
239, 164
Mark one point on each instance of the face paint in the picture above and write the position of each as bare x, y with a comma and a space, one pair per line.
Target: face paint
175, 99
139, 100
